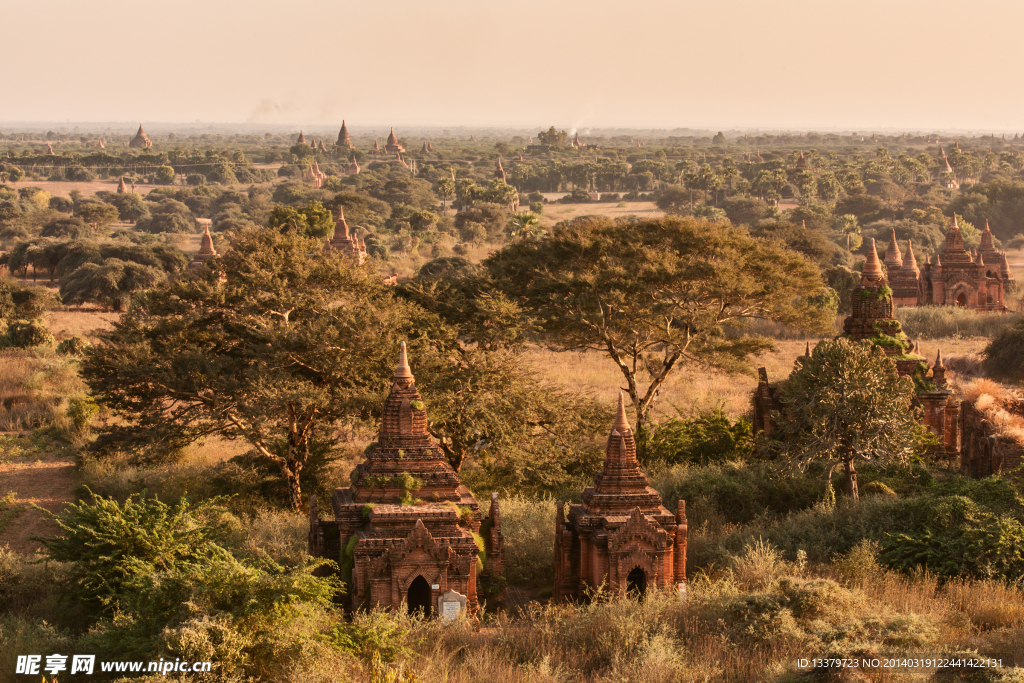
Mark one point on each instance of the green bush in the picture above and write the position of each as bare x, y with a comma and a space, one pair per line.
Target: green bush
73, 346
955, 528
708, 437
528, 525
24, 334
82, 409
737, 493
1004, 355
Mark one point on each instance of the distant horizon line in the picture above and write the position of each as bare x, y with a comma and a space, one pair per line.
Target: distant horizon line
471, 128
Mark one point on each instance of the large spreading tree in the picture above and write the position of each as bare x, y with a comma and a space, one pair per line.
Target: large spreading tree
658, 293
279, 344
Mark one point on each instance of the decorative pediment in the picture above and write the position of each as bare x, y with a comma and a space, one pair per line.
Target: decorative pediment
418, 546
638, 529
638, 558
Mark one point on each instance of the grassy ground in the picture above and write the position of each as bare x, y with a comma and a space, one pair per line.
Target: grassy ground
553, 213
693, 389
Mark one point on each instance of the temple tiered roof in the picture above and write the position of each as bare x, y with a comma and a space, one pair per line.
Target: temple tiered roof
343, 138
206, 250
404, 446
344, 241
141, 140
621, 486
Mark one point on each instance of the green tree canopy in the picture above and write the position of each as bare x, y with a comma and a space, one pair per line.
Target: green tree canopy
112, 283
311, 220
655, 293
845, 402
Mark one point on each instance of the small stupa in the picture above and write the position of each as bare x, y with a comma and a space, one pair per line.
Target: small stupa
206, 251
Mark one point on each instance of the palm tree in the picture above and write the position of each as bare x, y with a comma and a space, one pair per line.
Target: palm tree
525, 224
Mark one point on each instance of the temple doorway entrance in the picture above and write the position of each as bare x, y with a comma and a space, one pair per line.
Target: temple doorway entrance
636, 583
419, 596
961, 300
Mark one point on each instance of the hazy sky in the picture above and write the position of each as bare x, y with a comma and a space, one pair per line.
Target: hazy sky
720, 64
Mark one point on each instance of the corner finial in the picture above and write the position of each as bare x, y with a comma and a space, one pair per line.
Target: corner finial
621, 423
807, 351
938, 359
403, 371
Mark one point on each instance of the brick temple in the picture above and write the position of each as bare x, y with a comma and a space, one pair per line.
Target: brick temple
140, 141
621, 536
344, 241
407, 530
872, 318
206, 251
975, 279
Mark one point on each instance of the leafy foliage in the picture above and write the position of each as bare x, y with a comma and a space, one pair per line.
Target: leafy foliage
653, 294
845, 402
707, 437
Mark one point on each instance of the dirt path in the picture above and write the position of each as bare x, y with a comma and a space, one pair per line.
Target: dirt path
29, 476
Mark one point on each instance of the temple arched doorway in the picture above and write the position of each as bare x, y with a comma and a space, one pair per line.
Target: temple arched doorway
636, 583
961, 300
419, 596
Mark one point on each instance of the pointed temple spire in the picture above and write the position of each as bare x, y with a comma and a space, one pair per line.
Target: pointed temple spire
621, 424
403, 371
893, 257
986, 239
121, 187
909, 260
206, 243
302, 139
341, 226
343, 137
872, 266
807, 350
954, 249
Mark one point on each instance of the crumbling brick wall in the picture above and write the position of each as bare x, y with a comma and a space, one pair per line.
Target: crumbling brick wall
983, 452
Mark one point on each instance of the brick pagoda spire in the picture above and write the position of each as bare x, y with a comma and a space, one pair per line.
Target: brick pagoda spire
206, 251
405, 527
344, 241
621, 535
343, 138
141, 140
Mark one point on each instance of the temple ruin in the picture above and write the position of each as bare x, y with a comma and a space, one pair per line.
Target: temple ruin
392, 146
343, 137
956, 277
407, 531
872, 318
141, 140
206, 251
344, 241
621, 536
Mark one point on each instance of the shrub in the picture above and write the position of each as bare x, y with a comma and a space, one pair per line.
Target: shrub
710, 436
937, 322
73, 346
24, 334
528, 525
1004, 355
81, 410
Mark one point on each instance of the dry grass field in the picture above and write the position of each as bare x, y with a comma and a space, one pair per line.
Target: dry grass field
690, 390
553, 213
